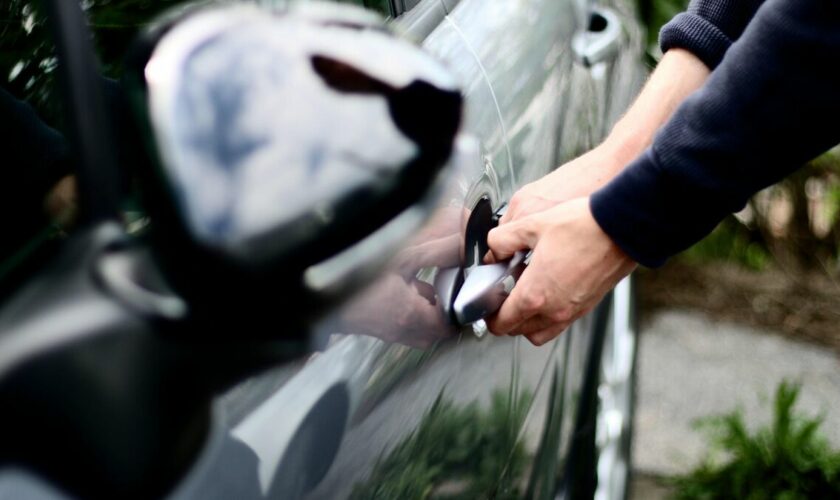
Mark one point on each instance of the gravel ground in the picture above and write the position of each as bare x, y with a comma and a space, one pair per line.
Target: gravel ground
692, 367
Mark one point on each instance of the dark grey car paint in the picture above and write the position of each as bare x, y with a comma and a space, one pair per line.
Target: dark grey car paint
531, 107
317, 427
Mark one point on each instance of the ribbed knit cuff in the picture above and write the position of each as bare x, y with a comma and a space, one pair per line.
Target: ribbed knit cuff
697, 35
617, 209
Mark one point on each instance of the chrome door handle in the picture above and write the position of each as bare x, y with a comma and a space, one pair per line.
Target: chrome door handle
600, 40
486, 287
472, 292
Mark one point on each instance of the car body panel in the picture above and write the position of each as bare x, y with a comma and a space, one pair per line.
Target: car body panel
386, 401
524, 50
394, 389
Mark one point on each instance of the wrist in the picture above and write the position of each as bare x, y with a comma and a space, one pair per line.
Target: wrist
623, 145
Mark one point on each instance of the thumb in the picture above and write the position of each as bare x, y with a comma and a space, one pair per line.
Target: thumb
507, 239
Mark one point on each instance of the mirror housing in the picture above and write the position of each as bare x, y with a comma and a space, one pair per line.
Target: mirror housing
281, 139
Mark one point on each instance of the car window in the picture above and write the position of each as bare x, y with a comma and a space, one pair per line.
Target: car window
38, 204
409, 4
34, 185
381, 6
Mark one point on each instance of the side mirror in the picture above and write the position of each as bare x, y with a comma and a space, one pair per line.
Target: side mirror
282, 140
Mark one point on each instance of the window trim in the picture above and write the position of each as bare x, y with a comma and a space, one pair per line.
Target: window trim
422, 19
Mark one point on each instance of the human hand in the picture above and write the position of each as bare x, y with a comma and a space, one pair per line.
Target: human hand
443, 252
440, 243
677, 75
398, 307
579, 177
61, 203
398, 310
574, 264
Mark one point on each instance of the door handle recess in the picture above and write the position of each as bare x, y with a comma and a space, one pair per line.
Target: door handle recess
476, 290
600, 40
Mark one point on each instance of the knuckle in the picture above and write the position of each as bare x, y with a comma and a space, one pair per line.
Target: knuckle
497, 236
531, 302
562, 316
405, 318
530, 231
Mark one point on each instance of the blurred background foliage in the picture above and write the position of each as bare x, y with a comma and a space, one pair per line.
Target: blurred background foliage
792, 225
654, 14
788, 458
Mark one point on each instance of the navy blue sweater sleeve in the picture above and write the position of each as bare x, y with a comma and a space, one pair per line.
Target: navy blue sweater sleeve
771, 105
708, 27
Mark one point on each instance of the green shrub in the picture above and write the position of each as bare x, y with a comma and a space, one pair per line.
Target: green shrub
787, 459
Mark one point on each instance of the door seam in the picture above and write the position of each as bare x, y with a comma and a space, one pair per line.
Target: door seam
492, 95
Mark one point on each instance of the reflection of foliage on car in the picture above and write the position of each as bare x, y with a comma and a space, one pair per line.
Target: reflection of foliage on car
27, 58
399, 361
546, 463
456, 452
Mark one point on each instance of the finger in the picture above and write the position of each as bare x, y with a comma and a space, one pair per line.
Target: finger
505, 240
535, 324
507, 216
490, 329
489, 258
442, 252
425, 290
546, 335
529, 206
514, 310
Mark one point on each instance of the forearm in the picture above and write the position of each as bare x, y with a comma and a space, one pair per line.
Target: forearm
767, 109
693, 42
677, 75
708, 28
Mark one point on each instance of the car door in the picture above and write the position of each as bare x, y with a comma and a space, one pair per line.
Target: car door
394, 391
524, 50
383, 408
562, 73
377, 411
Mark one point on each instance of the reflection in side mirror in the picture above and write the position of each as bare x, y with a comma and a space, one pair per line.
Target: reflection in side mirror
281, 140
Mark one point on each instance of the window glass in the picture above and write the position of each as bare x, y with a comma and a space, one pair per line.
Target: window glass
410, 4
34, 169
381, 6
37, 191
37, 185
